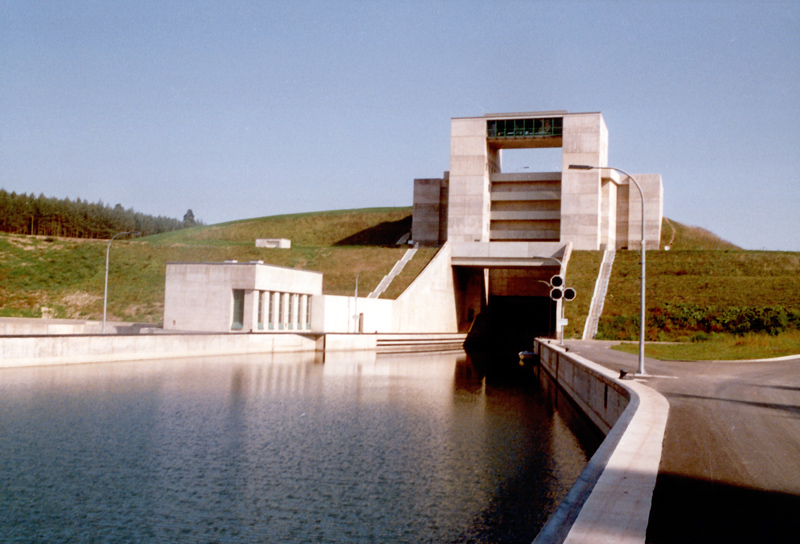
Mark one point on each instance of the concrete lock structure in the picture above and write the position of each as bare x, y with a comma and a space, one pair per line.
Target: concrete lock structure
511, 232
503, 236
476, 202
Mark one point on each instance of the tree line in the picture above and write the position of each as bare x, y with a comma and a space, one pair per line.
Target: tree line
47, 216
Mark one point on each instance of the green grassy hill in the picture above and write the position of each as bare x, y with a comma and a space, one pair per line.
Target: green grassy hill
702, 285
676, 236
64, 277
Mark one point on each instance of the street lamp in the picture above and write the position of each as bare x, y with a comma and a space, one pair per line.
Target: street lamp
642, 281
356, 303
105, 290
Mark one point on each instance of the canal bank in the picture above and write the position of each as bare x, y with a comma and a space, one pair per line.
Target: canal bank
611, 500
57, 349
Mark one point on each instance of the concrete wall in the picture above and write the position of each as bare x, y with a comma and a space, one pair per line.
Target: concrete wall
199, 296
611, 499
585, 142
17, 326
629, 212
429, 303
526, 206
429, 218
26, 326
350, 342
602, 399
579, 206
608, 215
337, 314
43, 350
471, 162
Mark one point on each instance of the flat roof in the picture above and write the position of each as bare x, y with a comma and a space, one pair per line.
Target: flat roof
528, 114
239, 263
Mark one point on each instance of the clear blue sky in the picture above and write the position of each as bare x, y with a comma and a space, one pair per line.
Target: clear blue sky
245, 109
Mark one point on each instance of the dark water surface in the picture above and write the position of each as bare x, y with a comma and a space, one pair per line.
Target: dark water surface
412, 448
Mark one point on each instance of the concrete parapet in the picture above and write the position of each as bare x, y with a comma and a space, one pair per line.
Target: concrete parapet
610, 501
420, 342
350, 342
71, 349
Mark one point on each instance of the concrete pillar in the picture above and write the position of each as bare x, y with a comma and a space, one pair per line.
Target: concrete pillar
471, 161
250, 309
303, 311
585, 141
654, 211
608, 220
283, 301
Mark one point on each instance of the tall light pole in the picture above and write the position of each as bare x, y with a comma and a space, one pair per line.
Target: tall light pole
356, 303
105, 289
640, 370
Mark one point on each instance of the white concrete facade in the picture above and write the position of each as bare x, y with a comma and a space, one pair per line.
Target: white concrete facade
478, 202
254, 297
239, 297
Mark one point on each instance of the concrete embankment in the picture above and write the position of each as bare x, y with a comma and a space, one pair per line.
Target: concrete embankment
70, 349
53, 349
610, 501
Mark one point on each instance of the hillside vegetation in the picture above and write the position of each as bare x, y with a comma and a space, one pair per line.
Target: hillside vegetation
676, 236
45, 216
63, 277
702, 285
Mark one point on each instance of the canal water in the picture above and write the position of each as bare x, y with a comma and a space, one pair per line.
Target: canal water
283, 448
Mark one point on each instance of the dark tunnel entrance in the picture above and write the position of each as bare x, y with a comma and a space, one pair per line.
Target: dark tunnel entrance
510, 323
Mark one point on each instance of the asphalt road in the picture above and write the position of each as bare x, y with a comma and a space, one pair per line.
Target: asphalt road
730, 465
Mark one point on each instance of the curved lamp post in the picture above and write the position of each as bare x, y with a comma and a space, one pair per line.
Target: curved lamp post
640, 370
105, 289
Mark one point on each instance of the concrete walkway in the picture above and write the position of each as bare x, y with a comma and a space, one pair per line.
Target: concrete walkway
730, 464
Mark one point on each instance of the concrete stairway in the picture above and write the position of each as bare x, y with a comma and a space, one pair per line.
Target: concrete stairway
396, 269
599, 297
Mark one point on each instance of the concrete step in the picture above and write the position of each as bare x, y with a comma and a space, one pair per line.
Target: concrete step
599, 296
396, 269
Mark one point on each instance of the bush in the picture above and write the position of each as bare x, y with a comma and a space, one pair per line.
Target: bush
697, 322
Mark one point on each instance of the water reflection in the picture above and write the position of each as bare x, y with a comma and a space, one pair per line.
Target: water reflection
281, 448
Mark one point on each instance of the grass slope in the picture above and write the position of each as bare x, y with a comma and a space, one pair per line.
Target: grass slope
701, 275
65, 276
581, 275
679, 236
702, 285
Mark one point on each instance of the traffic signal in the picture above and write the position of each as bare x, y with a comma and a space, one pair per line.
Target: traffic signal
558, 290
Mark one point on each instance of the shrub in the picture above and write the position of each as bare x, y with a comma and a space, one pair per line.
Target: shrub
697, 322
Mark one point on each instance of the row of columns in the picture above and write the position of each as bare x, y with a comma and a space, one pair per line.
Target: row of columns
284, 311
